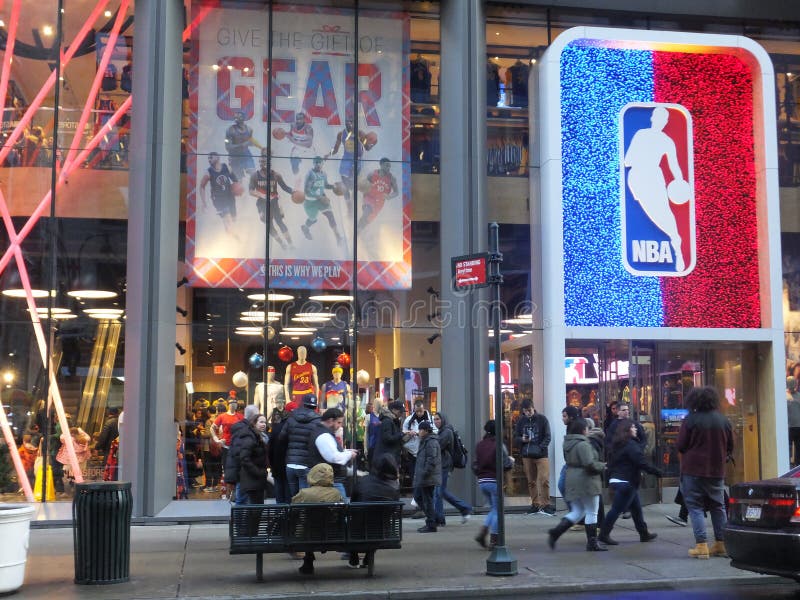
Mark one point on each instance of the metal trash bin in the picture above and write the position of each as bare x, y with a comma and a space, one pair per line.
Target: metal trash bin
101, 530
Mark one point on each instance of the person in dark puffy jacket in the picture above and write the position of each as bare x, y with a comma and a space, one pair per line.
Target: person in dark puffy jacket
390, 438
232, 460
253, 461
624, 476
427, 474
296, 433
441, 493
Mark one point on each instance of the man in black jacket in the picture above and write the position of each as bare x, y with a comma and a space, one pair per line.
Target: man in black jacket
324, 447
390, 438
296, 432
532, 436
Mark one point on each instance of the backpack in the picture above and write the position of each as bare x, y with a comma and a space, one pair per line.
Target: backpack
459, 451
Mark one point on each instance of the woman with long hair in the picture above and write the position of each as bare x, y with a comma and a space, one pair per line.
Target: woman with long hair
625, 465
484, 467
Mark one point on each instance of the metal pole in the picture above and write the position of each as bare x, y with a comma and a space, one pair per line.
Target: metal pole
500, 561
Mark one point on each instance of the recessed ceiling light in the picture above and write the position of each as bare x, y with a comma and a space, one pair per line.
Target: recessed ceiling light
107, 14
273, 297
47, 30
332, 298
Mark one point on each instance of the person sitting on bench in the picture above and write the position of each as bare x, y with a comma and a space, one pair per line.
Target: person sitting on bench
320, 481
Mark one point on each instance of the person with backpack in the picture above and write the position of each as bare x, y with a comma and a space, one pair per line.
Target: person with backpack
532, 437
450, 450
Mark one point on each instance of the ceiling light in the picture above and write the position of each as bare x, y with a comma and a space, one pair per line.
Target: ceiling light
103, 316
260, 313
310, 319
272, 297
47, 30
107, 311
55, 311
497, 33
332, 298
300, 329
92, 294
296, 333
107, 14
21, 293
215, 67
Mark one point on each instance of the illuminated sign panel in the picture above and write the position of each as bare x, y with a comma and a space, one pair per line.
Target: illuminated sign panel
640, 111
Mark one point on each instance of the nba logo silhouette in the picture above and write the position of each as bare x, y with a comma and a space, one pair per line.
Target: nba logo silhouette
657, 189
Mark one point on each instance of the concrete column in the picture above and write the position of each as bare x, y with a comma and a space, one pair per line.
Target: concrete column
462, 89
148, 431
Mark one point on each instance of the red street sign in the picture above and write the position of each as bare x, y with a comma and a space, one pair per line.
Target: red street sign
470, 271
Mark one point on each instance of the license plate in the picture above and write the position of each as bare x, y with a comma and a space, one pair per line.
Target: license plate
753, 513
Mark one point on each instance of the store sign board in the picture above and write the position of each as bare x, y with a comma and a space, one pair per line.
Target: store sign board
470, 271
625, 114
311, 92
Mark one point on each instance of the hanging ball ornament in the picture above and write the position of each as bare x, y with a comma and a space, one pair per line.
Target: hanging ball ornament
362, 378
318, 344
270, 332
256, 360
285, 354
344, 359
239, 379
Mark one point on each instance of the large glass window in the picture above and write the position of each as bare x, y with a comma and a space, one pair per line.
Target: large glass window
64, 205
309, 170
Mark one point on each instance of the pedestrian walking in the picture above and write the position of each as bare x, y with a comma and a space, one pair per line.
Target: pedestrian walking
441, 493
582, 485
484, 467
427, 474
624, 477
705, 442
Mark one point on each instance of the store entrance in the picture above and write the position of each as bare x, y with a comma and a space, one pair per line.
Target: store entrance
654, 378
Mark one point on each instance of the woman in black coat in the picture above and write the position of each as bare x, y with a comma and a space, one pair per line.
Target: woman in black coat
253, 461
624, 476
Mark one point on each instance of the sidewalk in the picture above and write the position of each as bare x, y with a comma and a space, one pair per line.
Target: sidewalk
192, 561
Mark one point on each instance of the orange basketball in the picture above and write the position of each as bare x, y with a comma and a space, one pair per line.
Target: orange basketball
237, 188
298, 196
364, 185
371, 139
279, 133
338, 188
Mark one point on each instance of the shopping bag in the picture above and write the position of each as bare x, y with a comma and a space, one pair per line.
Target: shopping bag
37, 486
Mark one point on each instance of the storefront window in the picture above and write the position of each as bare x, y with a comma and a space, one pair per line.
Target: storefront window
319, 168
64, 173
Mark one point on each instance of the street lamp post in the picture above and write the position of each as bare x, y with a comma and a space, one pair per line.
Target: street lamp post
500, 561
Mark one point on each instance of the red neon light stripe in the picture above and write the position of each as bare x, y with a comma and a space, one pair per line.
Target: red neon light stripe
723, 289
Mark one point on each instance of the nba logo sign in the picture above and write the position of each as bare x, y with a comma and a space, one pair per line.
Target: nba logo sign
657, 189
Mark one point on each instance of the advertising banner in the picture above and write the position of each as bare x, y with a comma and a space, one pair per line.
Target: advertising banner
306, 108
663, 185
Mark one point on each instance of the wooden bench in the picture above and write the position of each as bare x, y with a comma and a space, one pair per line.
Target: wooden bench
356, 527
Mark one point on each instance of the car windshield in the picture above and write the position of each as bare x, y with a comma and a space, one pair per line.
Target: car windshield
793, 473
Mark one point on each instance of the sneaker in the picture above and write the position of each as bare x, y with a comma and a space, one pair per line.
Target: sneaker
465, 518
306, 232
353, 561
676, 520
418, 515
533, 510
626, 515
548, 511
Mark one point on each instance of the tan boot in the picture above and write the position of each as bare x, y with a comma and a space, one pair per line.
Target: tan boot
699, 551
718, 549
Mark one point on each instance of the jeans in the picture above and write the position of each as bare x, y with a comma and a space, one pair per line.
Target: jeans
701, 493
585, 506
489, 489
296, 480
424, 496
340, 486
626, 498
239, 496
281, 490
441, 493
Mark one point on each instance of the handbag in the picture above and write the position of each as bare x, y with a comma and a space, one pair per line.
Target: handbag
37, 485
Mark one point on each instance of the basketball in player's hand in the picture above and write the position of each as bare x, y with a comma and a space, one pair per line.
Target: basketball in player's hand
338, 188
364, 185
237, 188
298, 196
279, 133
370, 140
679, 191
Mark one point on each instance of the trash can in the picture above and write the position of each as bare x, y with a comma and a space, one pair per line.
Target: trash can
101, 530
15, 522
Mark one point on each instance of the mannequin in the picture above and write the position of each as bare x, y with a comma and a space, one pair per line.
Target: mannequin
492, 83
274, 392
420, 80
301, 378
336, 391
519, 83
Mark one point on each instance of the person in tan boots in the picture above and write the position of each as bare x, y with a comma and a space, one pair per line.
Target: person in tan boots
705, 442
